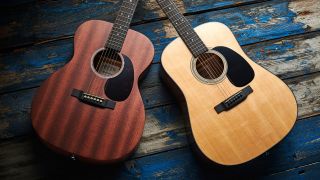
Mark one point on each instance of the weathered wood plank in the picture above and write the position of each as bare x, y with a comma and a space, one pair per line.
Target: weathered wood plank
287, 57
15, 107
32, 65
250, 24
43, 20
272, 19
300, 147
307, 92
27, 67
310, 171
26, 158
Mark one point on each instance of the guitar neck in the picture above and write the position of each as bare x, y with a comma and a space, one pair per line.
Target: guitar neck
121, 25
183, 27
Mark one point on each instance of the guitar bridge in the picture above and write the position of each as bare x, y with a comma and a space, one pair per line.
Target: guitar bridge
92, 99
234, 100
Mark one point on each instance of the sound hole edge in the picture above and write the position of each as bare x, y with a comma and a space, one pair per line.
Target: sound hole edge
107, 63
210, 67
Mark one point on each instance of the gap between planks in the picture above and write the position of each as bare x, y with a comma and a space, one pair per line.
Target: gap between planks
286, 57
27, 162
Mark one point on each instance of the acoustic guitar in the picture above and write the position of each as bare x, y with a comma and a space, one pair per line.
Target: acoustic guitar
237, 109
91, 109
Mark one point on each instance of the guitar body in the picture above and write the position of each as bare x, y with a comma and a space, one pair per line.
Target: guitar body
84, 131
250, 128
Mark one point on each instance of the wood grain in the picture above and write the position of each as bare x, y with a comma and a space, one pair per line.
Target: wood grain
15, 118
280, 44
25, 158
28, 66
43, 20
74, 128
247, 130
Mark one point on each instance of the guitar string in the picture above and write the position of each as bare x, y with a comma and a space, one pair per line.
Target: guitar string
201, 62
107, 51
213, 66
186, 24
212, 74
104, 50
111, 51
217, 74
99, 64
130, 14
130, 8
222, 67
208, 57
215, 62
114, 54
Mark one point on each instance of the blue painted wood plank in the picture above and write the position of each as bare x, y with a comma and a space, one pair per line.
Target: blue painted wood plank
15, 107
250, 24
43, 20
310, 171
300, 147
26, 157
288, 57
27, 67
248, 21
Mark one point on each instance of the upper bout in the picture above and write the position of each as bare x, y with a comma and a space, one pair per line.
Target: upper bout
139, 49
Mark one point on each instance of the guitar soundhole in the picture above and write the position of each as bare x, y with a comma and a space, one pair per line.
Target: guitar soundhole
107, 63
210, 67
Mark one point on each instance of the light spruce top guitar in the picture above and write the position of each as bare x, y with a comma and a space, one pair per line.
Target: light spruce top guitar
237, 109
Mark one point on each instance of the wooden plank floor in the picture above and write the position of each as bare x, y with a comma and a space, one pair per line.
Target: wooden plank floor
36, 38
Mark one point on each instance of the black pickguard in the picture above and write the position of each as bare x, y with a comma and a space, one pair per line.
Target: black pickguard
240, 73
119, 87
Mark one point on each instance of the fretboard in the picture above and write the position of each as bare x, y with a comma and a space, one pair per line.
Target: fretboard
183, 27
121, 25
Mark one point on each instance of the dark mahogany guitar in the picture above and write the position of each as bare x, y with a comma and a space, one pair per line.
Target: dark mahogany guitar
91, 109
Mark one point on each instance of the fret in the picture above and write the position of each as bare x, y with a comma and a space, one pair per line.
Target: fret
168, 8
197, 47
121, 25
125, 17
123, 21
123, 13
117, 36
183, 27
129, 8
125, 9
179, 19
115, 42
